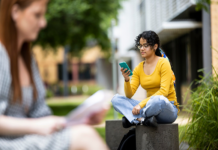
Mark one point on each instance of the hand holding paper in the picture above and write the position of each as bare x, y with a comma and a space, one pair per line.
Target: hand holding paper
96, 118
92, 110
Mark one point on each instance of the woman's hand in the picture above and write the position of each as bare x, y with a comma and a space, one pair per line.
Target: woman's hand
96, 118
48, 125
136, 110
125, 74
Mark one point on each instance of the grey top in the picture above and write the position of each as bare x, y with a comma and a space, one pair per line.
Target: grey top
29, 108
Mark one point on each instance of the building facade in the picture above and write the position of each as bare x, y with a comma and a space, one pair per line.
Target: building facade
186, 36
214, 33
51, 63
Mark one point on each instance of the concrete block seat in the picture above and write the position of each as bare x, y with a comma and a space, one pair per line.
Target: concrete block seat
164, 137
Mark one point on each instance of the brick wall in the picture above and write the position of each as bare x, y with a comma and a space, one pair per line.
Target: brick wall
214, 33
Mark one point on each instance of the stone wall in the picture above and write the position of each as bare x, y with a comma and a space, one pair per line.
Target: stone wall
164, 137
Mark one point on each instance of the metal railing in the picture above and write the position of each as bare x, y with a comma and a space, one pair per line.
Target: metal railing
159, 11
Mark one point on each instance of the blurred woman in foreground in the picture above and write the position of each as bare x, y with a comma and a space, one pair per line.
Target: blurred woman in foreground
25, 119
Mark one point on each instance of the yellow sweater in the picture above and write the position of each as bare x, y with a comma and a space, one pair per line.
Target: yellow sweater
158, 83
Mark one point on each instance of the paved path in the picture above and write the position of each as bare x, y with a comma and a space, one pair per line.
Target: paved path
181, 120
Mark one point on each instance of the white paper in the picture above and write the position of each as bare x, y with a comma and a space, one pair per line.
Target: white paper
93, 104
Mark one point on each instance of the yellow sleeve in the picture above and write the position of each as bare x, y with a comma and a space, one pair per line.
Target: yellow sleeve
130, 88
166, 77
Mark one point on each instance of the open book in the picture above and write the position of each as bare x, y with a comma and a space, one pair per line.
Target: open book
93, 104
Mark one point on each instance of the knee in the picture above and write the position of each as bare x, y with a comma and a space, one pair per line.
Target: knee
85, 137
81, 135
115, 99
84, 130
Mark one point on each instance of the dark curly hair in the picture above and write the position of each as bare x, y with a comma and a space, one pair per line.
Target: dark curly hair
152, 39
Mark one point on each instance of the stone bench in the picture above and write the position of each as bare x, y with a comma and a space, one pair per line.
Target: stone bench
164, 137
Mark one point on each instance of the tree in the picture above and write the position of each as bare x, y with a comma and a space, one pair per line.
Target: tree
76, 22
204, 4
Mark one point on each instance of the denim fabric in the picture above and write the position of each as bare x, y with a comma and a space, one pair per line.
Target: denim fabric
159, 106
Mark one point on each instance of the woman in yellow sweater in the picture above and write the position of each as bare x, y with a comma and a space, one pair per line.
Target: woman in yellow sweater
155, 75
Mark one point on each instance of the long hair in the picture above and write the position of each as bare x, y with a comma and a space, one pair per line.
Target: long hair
152, 39
9, 38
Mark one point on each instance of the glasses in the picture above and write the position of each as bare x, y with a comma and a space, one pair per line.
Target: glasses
143, 46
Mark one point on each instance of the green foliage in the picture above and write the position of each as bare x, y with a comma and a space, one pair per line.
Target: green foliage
62, 107
62, 110
101, 132
79, 89
76, 22
203, 4
91, 90
202, 130
49, 93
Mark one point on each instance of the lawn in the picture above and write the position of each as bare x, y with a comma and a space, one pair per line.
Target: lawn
62, 106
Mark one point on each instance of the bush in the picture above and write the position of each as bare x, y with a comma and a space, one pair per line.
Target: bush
49, 94
83, 89
80, 89
90, 89
202, 130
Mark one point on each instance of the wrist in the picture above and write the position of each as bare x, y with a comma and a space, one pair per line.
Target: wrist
139, 106
34, 126
127, 79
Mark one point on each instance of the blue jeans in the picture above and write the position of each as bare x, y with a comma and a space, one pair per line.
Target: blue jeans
159, 106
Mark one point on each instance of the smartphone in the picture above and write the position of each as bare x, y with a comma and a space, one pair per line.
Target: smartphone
125, 66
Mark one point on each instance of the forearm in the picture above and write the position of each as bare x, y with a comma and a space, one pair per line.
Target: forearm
16, 126
128, 89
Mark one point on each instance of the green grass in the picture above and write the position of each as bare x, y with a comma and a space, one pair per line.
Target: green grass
62, 107
101, 132
110, 114
182, 130
202, 130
